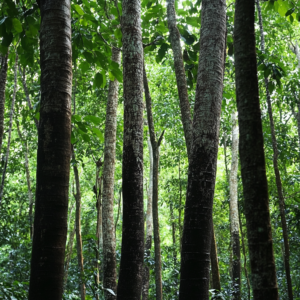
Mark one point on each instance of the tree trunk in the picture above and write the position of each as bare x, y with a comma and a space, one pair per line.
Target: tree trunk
77, 197
11, 114
252, 157
118, 213
149, 227
245, 257
276, 170
216, 284
197, 230
155, 150
109, 237
234, 212
23, 79
69, 251
3, 76
30, 198
130, 287
180, 204
54, 152
180, 76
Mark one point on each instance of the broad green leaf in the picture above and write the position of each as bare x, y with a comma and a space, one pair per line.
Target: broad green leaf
93, 119
86, 137
193, 21
98, 80
84, 66
98, 133
89, 57
78, 9
73, 139
7, 39
17, 25
76, 118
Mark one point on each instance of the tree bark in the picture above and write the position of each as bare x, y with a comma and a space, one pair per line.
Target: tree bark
180, 76
216, 283
119, 208
77, 197
130, 287
196, 240
149, 226
155, 150
109, 237
234, 212
252, 157
54, 152
3, 76
11, 114
276, 169
69, 251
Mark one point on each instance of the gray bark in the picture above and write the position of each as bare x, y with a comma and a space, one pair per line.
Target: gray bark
109, 237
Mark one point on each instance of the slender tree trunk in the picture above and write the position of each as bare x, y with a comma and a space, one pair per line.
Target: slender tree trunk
180, 203
216, 283
149, 227
109, 236
197, 231
130, 287
3, 76
30, 197
11, 114
99, 236
155, 150
245, 257
118, 213
69, 251
276, 170
77, 197
180, 76
23, 79
173, 232
252, 157
234, 212
54, 152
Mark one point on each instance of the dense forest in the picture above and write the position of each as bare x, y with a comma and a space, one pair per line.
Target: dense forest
149, 149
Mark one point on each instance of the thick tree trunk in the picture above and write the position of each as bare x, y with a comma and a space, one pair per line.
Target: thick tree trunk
77, 197
155, 150
109, 237
149, 227
23, 79
131, 266
54, 152
216, 283
30, 197
234, 212
3, 76
276, 170
180, 76
11, 114
252, 157
196, 240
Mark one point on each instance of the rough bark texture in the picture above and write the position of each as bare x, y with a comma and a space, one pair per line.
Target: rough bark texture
77, 197
3, 75
196, 240
251, 149
180, 76
155, 151
23, 79
234, 212
131, 266
54, 152
216, 283
109, 237
286, 254
149, 227
11, 114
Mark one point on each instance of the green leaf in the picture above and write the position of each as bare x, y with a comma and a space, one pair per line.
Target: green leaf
7, 39
193, 21
98, 133
76, 118
17, 25
289, 12
2, 20
98, 80
89, 57
115, 70
93, 119
78, 9
86, 137
73, 139
84, 66
82, 127
271, 87
162, 52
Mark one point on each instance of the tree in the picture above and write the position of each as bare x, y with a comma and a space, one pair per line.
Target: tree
196, 240
251, 149
54, 152
130, 287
